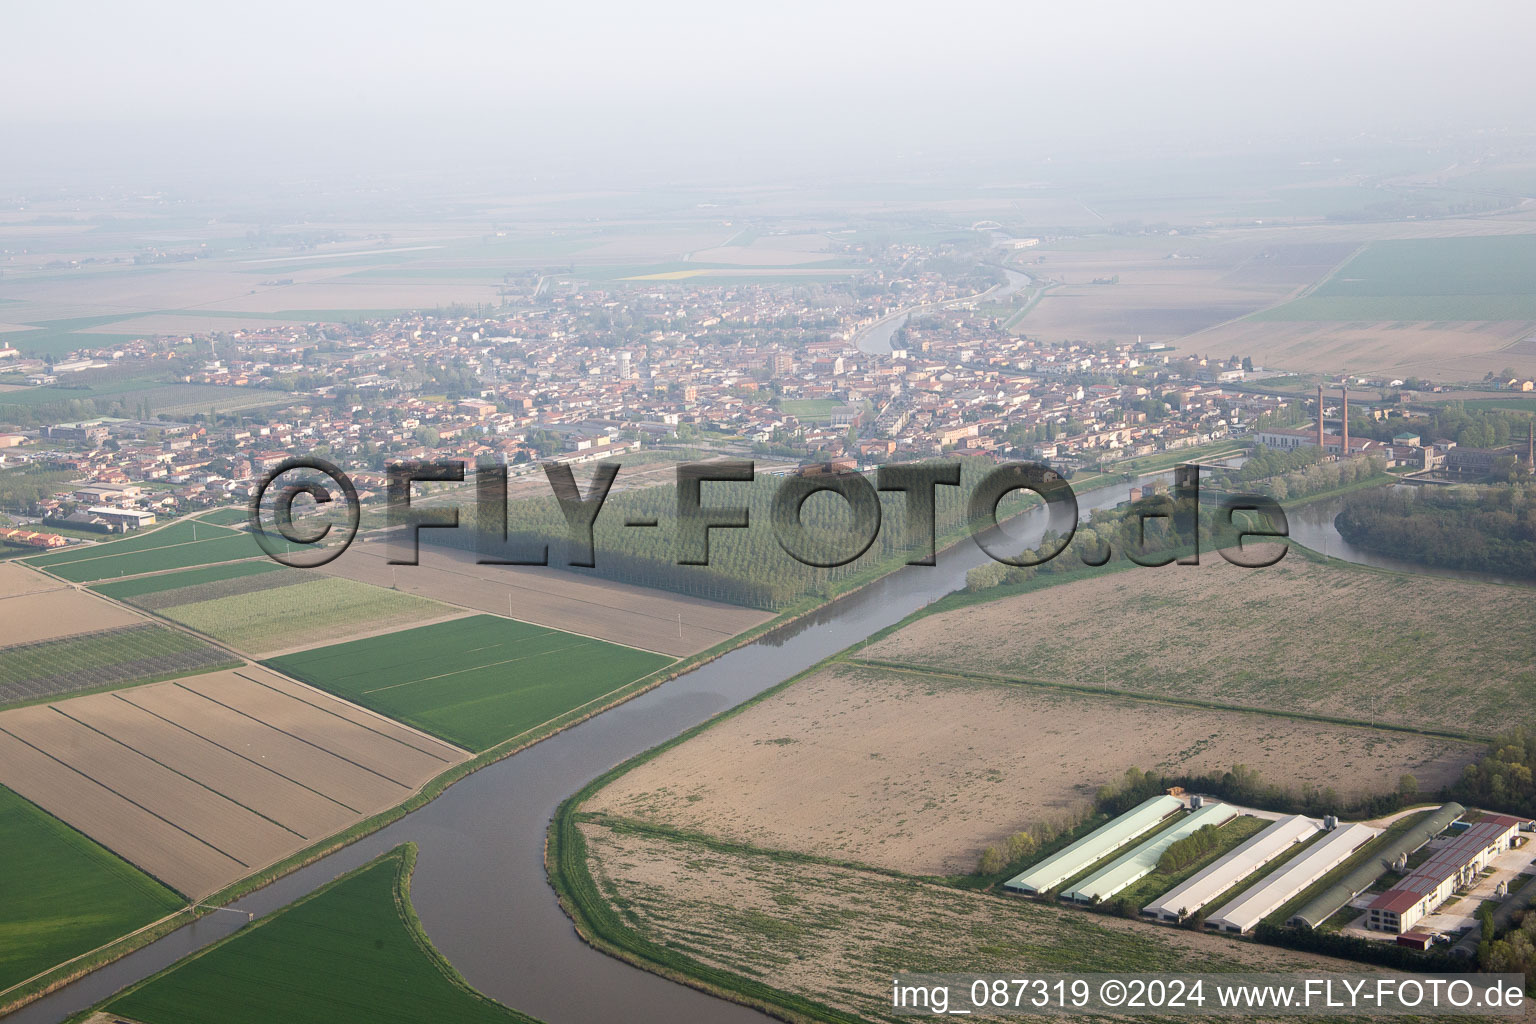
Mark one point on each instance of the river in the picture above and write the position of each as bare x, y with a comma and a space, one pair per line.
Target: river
876, 340
480, 887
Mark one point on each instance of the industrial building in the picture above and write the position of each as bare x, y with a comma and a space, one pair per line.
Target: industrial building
1271, 893
1095, 846
1452, 866
124, 518
1361, 877
1142, 861
1203, 887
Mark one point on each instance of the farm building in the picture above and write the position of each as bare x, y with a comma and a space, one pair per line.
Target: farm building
1360, 878
1095, 846
126, 518
1454, 865
1195, 892
1259, 901
1142, 861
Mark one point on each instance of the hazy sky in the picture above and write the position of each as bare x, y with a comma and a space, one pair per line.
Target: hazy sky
645, 83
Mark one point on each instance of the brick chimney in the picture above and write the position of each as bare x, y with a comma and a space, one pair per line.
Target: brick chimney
1319, 417
1344, 448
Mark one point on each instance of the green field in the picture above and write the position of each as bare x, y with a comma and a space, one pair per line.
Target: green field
234, 516
106, 660
63, 894
314, 610
810, 408
353, 951
171, 547
1426, 279
127, 590
474, 681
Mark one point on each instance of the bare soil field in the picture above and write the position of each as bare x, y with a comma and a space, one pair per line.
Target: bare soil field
48, 614
17, 579
1438, 351
203, 780
623, 614
914, 773
1159, 295
839, 935
1298, 636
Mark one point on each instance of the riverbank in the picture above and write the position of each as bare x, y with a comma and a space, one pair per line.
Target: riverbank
609, 920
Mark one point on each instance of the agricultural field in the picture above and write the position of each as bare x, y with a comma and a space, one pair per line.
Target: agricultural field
16, 580
126, 656
1467, 278
353, 952
1163, 289
1437, 350
1299, 636
916, 773
180, 545
143, 591
202, 780
1450, 307
266, 609
653, 620
64, 894
50, 614
474, 681
835, 935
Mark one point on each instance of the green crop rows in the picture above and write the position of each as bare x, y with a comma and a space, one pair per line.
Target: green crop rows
474, 681
63, 894
351, 952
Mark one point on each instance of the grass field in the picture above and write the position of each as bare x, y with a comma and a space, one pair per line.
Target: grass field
316, 609
1297, 637
226, 516
1428, 279
111, 658
127, 590
63, 894
178, 546
351, 953
810, 408
474, 681
913, 772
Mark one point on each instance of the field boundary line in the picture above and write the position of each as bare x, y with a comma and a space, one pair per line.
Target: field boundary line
578, 600
1089, 689
125, 799
285, 732
162, 764
243, 757
328, 711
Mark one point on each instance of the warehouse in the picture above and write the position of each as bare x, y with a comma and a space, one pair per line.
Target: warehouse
1095, 846
1452, 866
1363, 875
1198, 890
1270, 894
1142, 861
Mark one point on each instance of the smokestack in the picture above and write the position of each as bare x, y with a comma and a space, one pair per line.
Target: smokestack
1319, 417
1344, 449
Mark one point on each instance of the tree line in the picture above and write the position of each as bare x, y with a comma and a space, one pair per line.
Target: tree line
1482, 529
